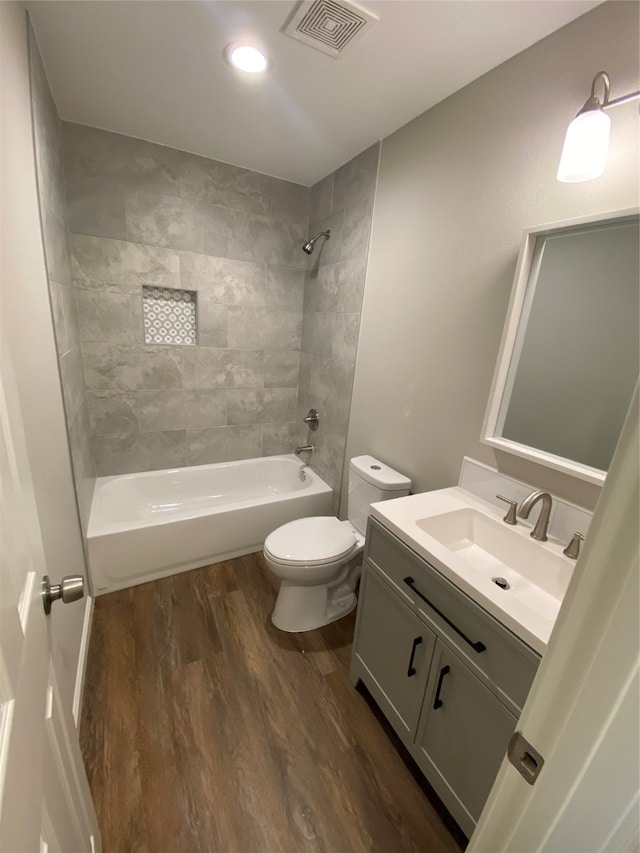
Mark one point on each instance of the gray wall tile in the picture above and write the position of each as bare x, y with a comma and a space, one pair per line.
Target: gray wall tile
161, 410
105, 317
205, 408
285, 289
178, 223
56, 250
317, 334
221, 183
290, 201
224, 280
281, 368
235, 238
72, 380
130, 368
212, 324
101, 263
357, 228
268, 405
223, 444
278, 439
268, 239
339, 287
334, 286
320, 199
137, 318
82, 460
223, 368
47, 135
65, 316
356, 179
253, 328
130, 163
326, 251
331, 379
147, 451
112, 412
95, 206
171, 410
306, 363
344, 336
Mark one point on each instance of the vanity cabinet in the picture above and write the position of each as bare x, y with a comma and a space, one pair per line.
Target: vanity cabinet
463, 733
448, 676
395, 647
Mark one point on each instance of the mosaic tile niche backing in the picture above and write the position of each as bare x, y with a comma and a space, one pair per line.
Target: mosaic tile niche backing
169, 316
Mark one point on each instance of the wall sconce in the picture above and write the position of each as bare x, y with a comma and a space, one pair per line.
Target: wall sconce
586, 144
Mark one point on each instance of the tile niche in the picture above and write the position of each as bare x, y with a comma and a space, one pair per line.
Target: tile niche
169, 316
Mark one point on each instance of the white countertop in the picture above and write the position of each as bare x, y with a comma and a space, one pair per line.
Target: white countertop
542, 587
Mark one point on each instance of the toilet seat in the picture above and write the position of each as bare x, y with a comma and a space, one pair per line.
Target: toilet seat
311, 541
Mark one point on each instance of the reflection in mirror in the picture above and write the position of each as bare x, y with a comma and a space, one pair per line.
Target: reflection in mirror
570, 355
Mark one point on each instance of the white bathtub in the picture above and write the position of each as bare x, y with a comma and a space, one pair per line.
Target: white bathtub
146, 526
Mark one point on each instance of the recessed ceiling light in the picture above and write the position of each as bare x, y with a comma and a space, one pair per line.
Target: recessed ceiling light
246, 58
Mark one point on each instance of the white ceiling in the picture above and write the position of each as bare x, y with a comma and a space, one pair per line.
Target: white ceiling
155, 70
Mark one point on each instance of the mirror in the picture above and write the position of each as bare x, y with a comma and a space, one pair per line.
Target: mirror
569, 358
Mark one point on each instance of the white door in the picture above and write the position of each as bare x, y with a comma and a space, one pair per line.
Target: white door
582, 714
44, 797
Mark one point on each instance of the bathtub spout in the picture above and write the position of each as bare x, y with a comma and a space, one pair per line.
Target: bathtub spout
305, 448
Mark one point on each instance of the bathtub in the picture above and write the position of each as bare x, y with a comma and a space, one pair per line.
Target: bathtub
146, 526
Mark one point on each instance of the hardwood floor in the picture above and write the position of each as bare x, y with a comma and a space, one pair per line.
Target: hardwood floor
206, 730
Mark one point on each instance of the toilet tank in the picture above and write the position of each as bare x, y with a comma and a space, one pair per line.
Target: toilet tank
369, 481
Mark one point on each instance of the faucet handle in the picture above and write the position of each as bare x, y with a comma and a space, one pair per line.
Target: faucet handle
573, 548
510, 517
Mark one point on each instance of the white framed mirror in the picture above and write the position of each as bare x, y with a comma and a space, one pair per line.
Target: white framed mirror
569, 357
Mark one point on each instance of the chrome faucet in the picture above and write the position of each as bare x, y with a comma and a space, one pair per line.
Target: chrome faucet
539, 532
304, 449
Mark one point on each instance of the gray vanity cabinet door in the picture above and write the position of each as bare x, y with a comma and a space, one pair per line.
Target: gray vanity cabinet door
393, 648
462, 737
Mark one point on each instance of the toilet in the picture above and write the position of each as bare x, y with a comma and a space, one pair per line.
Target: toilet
318, 559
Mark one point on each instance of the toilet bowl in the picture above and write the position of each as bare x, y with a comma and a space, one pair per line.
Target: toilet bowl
318, 559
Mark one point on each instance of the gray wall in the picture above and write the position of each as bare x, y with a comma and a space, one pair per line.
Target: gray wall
51, 197
455, 189
334, 284
142, 214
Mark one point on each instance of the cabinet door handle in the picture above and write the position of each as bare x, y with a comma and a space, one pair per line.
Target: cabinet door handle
412, 670
438, 701
477, 647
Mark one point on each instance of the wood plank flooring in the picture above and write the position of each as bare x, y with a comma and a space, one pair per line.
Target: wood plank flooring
206, 730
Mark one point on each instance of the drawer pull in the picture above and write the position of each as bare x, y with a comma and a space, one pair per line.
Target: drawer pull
412, 670
477, 647
438, 701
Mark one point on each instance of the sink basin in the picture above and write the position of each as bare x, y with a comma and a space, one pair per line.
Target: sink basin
533, 574
464, 538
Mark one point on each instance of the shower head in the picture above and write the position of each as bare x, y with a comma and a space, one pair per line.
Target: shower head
308, 247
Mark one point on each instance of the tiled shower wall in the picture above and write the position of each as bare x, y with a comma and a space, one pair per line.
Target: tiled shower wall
51, 193
142, 214
334, 287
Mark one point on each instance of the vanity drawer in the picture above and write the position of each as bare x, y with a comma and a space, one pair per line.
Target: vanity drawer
491, 649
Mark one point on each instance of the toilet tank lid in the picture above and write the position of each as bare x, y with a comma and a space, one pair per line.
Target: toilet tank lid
379, 474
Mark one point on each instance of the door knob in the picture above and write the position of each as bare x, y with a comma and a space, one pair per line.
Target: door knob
71, 589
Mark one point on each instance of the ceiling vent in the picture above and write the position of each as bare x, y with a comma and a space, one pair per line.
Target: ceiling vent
329, 25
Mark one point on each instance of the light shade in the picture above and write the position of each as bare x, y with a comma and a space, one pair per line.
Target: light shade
586, 146
246, 58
